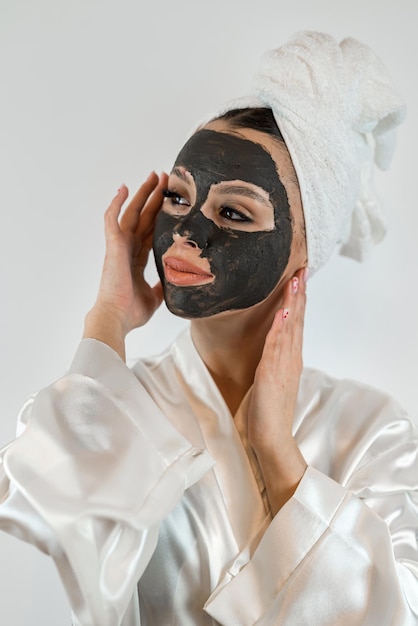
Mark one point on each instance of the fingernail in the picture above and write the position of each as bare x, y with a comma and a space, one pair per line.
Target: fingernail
121, 187
150, 175
306, 274
295, 284
285, 313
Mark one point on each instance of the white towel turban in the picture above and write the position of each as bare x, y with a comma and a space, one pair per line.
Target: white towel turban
337, 110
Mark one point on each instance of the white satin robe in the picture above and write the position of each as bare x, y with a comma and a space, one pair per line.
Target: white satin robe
143, 475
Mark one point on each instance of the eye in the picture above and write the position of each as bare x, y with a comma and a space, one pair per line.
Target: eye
175, 198
232, 215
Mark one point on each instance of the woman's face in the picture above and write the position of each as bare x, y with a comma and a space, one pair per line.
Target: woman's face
224, 235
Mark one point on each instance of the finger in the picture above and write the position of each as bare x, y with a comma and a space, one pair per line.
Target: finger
295, 294
291, 344
157, 290
287, 330
145, 225
141, 250
272, 341
290, 288
140, 257
129, 219
113, 211
300, 305
286, 333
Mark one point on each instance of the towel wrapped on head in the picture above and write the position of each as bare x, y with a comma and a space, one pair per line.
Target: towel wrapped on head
337, 109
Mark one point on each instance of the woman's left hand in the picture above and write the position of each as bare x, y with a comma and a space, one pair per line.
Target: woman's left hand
273, 398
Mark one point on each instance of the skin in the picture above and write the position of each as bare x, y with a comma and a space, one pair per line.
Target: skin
259, 346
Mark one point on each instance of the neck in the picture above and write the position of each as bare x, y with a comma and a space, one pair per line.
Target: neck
231, 345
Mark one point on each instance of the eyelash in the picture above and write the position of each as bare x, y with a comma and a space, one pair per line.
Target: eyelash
176, 201
242, 217
175, 197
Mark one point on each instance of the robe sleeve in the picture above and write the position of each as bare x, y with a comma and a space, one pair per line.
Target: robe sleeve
337, 552
94, 472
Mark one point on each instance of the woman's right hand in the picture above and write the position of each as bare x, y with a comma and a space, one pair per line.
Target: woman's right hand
125, 300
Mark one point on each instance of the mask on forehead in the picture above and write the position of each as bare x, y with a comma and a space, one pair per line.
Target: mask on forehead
246, 265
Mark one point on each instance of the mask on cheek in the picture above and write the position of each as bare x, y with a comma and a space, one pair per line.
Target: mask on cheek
246, 265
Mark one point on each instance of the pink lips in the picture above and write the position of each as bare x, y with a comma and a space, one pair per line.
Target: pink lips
182, 273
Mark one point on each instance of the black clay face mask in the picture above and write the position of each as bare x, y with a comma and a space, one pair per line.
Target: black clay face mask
246, 266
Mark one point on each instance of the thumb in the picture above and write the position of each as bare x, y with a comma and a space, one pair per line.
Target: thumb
158, 293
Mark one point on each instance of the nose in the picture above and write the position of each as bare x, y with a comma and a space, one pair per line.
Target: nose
184, 240
194, 229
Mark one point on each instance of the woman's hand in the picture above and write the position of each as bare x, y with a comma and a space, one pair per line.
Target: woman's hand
273, 398
125, 300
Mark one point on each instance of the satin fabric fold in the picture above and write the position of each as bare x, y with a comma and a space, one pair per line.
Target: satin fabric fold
144, 475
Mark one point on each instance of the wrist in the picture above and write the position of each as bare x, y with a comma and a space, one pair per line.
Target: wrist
107, 326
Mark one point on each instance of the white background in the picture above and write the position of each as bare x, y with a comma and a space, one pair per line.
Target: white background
95, 93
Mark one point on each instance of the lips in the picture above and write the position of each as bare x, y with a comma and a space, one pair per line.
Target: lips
182, 273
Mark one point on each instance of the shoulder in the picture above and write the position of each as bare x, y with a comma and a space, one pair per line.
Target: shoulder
155, 372
343, 423
323, 386
334, 395
160, 373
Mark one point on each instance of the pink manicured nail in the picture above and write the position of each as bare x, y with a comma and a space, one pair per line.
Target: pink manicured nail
285, 313
295, 284
121, 186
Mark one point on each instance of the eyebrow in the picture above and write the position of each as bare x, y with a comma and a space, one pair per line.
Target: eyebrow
228, 189
244, 191
180, 173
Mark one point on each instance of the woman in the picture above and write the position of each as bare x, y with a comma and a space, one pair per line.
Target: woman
236, 487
